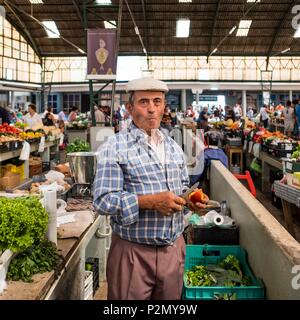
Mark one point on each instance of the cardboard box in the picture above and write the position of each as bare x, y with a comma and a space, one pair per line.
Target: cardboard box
10, 180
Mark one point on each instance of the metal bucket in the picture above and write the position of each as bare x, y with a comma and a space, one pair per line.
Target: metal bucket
83, 166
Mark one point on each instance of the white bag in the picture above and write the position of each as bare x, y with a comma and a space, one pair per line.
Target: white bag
25, 153
42, 145
250, 146
54, 175
256, 150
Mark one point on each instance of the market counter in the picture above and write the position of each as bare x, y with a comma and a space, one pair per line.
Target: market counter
69, 283
273, 253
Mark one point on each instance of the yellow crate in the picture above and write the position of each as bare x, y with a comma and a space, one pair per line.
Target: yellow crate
15, 169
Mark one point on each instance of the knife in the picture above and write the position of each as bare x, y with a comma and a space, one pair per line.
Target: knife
188, 191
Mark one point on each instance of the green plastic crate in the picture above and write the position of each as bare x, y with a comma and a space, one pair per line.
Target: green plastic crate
211, 254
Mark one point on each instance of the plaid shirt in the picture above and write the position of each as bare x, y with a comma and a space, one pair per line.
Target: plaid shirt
127, 167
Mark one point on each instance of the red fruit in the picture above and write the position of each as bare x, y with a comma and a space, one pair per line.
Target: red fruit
197, 196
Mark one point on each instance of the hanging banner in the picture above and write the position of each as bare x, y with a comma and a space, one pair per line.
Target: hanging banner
101, 62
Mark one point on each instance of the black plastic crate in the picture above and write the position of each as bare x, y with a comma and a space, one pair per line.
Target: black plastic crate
15, 145
46, 166
94, 262
212, 235
4, 147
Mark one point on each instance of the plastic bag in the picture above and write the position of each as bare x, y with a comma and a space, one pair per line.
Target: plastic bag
42, 145
54, 175
52, 186
25, 153
256, 150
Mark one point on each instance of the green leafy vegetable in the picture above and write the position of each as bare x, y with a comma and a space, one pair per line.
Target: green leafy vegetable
227, 273
23, 222
78, 145
40, 258
296, 153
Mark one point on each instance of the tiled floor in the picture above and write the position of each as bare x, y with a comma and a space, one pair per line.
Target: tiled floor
101, 293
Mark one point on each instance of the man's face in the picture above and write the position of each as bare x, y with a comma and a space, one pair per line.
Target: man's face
147, 109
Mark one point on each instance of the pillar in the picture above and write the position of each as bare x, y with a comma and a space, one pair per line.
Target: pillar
291, 95
183, 100
244, 102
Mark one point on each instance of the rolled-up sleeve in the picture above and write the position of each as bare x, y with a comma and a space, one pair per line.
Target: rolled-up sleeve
109, 196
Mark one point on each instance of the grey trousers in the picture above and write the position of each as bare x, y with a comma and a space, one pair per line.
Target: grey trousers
142, 272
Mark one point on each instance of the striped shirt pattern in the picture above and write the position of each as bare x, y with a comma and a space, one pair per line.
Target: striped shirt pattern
127, 166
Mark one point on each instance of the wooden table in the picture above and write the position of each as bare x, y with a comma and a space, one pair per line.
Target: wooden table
69, 284
267, 161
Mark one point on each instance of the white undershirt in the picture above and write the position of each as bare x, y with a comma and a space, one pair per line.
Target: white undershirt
156, 141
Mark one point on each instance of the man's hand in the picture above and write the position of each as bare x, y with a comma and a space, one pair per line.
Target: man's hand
166, 203
198, 206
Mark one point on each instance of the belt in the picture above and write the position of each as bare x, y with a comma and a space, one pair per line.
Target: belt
147, 244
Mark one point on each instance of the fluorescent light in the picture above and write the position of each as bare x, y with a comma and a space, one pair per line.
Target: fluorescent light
136, 29
80, 50
244, 27
51, 29
286, 50
184, 1
103, 2
215, 50
297, 33
182, 28
214, 88
111, 24
232, 30
36, 1
253, 1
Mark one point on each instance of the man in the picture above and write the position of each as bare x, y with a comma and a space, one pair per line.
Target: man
4, 116
264, 115
237, 111
140, 175
62, 116
250, 113
202, 121
99, 116
289, 118
32, 118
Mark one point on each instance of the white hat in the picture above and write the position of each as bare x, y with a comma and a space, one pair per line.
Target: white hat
146, 84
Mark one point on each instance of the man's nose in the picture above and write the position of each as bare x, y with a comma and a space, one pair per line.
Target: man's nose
151, 107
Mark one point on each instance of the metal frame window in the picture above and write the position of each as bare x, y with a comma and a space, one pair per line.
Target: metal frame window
18, 61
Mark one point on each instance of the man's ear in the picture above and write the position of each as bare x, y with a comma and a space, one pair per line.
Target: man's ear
128, 107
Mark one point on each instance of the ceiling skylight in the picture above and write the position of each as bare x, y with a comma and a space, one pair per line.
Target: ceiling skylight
244, 27
111, 24
36, 1
51, 29
182, 28
103, 2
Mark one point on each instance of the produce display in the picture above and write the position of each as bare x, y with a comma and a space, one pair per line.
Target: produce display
78, 145
296, 153
23, 222
227, 273
34, 187
40, 258
12, 136
80, 123
79, 205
